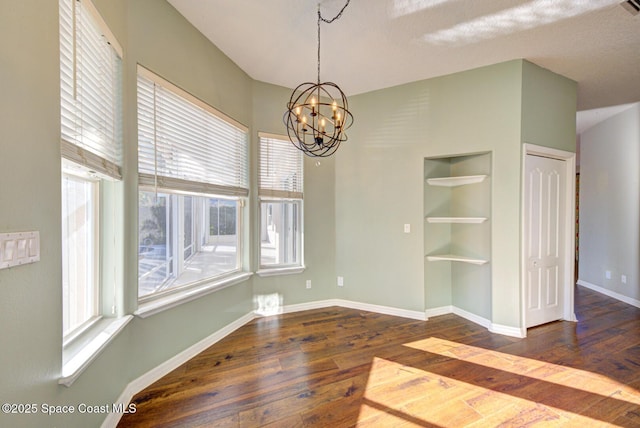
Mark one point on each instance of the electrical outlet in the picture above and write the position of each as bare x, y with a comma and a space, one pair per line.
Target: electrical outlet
607, 274
407, 228
340, 281
308, 283
623, 278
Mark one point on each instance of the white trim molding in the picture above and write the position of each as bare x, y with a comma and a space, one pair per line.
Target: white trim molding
159, 304
436, 312
137, 385
507, 330
621, 297
472, 317
105, 335
504, 330
386, 310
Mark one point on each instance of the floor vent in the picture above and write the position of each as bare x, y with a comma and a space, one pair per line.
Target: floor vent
632, 6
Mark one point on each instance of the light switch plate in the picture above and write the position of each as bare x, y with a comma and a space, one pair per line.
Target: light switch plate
407, 228
19, 248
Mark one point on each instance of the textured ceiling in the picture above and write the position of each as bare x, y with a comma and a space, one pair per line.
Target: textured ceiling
382, 43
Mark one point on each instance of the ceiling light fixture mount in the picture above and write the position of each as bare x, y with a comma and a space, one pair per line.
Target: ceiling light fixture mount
318, 114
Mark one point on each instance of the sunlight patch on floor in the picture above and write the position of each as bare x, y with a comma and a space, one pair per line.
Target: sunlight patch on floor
402, 394
560, 375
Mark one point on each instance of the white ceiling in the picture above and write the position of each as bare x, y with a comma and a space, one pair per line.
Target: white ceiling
382, 43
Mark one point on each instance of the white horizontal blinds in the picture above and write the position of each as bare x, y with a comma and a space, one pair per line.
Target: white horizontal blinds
185, 146
281, 172
90, 75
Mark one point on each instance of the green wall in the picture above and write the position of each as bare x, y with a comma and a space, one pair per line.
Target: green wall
30, 180
548, 108
379, 177
355, 203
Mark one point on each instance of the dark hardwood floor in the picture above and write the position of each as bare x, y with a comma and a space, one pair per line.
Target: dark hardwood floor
341, 368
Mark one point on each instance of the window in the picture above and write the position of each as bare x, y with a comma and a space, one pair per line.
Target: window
90, 77
193, 181
280, 191
80, 251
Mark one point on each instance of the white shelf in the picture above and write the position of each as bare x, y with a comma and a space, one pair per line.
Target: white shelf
456, 181
454, 258
456, 219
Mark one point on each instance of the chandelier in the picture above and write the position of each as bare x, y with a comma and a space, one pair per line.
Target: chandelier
318, 114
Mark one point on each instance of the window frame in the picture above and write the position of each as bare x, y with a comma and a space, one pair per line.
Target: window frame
96, 263
152, 178
299, 241
269, 194
96, 155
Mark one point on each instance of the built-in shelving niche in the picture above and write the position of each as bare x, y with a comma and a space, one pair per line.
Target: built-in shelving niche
457, 233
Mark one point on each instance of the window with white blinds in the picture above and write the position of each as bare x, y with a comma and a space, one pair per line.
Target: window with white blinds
280, 187
91, 95
281, 172
185, 144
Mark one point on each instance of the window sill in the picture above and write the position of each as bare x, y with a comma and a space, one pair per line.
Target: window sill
80, 355
160, 304
280, 271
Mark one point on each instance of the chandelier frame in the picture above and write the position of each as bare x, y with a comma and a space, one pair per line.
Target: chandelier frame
318, 114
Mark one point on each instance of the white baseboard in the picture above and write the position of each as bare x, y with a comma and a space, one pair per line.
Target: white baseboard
386, 310
629, 300
137, 385
472, 317
507, 330
320, 304
436, 312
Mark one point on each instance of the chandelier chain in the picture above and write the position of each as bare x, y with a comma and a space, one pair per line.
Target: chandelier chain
328, 21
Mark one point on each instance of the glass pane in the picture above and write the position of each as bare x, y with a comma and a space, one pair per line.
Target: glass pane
155, 259
280, 233
223, 237
79, 282
207, 240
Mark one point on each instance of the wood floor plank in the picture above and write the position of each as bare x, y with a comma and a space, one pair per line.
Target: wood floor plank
342, 367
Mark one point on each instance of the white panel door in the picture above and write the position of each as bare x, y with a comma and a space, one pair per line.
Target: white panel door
545, 181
